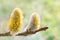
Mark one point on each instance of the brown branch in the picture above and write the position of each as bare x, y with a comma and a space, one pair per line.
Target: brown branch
26, 33
5, 34
29, 33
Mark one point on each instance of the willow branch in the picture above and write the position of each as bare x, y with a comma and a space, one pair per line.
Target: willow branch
5, 34
30, 33
26, 33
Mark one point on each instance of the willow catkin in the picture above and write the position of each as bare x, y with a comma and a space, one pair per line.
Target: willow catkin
16, 21
34, 22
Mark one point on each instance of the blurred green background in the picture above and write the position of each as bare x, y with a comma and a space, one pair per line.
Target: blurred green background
49, 11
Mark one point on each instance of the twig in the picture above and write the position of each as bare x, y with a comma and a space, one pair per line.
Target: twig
5, 34
29, 33
26, 33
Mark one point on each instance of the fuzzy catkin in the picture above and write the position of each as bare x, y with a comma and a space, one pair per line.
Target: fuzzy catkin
34, 22
16, 21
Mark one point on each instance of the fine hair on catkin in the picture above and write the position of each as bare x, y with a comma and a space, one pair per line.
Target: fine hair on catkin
34, 22
16, 21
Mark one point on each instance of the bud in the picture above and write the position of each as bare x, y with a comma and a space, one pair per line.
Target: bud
16, 21
34, 22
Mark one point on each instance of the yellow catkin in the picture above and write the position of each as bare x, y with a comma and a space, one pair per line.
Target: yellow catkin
16, 21
34, 22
